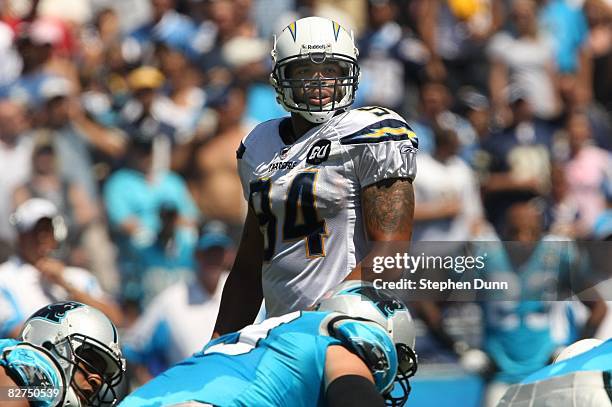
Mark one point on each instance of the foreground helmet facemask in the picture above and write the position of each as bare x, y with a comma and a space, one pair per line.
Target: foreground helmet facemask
315, 40
361, 300
87, 356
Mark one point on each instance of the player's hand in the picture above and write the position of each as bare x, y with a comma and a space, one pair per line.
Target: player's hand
51, 270
475, 361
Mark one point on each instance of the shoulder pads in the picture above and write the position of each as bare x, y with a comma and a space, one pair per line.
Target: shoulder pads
34, 367
372, 344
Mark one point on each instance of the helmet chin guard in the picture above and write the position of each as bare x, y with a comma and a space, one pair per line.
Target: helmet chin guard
315, 40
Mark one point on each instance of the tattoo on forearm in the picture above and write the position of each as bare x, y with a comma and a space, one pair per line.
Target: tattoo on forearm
388, 206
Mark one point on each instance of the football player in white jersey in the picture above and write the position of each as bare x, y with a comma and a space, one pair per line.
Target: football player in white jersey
323, 186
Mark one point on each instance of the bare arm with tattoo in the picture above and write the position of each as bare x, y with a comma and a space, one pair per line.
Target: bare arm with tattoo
388, 212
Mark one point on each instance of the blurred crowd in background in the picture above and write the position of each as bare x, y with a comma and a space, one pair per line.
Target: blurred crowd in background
126, 116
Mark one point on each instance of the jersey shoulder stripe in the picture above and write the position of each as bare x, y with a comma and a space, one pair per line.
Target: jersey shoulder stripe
383, 130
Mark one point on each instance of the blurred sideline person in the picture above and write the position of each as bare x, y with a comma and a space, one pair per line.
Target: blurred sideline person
33, 277
580, 378
70, 353
523, 335
137, 218
324, 186
74, 205
176, 323
353, 351
522, 332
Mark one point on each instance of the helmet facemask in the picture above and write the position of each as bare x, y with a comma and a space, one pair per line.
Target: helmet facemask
407, 368
342, 87
79, 353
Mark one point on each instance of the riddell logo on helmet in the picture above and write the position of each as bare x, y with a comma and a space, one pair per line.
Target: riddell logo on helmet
315, 46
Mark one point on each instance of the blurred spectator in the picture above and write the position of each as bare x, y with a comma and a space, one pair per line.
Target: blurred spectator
562, 212
435, 103
185, 102
391, 60
585, 171
476, 108
566, 24
72, 202
107, 26
267, 13
219, 192
213, 34
516, 160
142, 114
11, 63
447, 199
181, 318
33, 278
15, 153
522, 334
169, 258
75, 135
166, 25
456, 33
134, 196
96, 39
34, 50
599, 16
525, 59
342, 11
602, 229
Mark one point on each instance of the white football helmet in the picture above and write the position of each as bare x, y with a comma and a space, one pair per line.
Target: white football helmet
360, 299
315, 40
80, 337
577, 348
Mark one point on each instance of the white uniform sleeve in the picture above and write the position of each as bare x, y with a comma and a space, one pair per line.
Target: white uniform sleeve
142, 341
10, 314
84, 281
382, 150
244, 170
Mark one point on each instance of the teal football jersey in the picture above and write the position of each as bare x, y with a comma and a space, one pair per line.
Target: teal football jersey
518, 334
280, 362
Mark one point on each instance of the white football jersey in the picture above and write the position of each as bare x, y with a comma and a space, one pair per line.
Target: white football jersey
307, 197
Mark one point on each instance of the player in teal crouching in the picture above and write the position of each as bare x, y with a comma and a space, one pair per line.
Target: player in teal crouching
352, 351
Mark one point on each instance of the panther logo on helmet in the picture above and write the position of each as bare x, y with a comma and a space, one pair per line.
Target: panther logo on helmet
384, 302
56, 312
